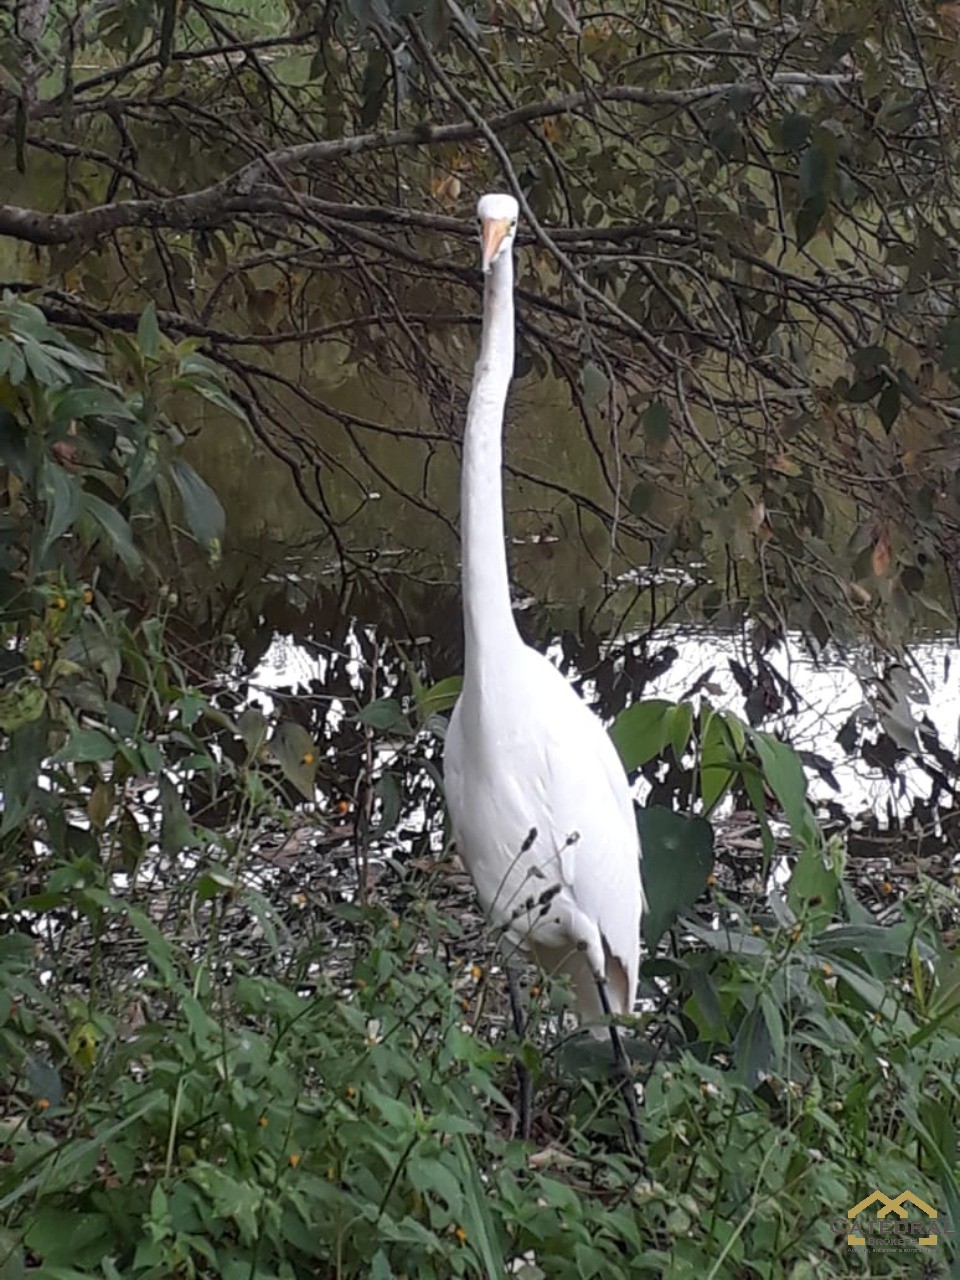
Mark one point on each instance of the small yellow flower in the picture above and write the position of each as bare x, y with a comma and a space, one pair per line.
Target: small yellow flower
711, 881
343, 807
461, 1235
88, 596
476, 972
535, 991
350, 1091
43, 1104
36, 665
293, 1159
886, 888
756, 931
826, 970
308, 757
263, 1121
60, 603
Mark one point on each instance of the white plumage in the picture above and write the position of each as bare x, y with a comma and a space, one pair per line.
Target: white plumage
538, 799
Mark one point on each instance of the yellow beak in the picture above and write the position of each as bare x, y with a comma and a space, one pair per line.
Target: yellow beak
492, 232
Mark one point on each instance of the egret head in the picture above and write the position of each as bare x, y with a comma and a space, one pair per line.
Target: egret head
497, 214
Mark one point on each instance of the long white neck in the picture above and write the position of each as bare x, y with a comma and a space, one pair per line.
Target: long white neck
489, 629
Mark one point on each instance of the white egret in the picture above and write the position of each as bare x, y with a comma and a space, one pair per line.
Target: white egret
538, 799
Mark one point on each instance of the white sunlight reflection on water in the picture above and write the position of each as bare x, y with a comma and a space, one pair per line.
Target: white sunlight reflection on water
828, 693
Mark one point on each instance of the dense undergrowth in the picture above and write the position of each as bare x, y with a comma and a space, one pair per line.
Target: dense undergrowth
207, 1071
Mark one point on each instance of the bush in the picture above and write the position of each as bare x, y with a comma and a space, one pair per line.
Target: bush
208, 1073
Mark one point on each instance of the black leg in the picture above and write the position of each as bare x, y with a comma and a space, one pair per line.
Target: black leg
622, 1064
524, 1079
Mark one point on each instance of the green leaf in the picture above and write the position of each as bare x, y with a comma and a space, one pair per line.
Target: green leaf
44, 365
784, 774
888, 406
176, 832
86, 745
815, 884
717, 761
807, 221
298, 756
63, 496
865, 389
441, 696
869, 361
148, 332
816, 171
677, 860
641, 731
117, 531
62, 1237
656, 423
678, 725
201, 506
596, 385
641, 499
252, 725
385, 714
89, 402
795, 131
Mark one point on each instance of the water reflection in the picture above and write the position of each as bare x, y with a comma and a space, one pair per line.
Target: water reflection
831, 697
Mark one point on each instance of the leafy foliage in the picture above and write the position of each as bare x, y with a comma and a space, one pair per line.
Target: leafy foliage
205, 1074
207, 1070
752, 272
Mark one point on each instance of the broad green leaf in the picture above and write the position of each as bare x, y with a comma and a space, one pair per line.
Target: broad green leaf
888, 406
678, 727
44, 365
252, 724
116, 529
143, 469
596, 385
148, 331
385, 714
717, 760
784, 774
176, 832
441, 696
63, 496
298, 756
642, 497
656, 423
677, 859
641, 731
815, 884
67, 1236
89, 402
201, 506
86, 745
